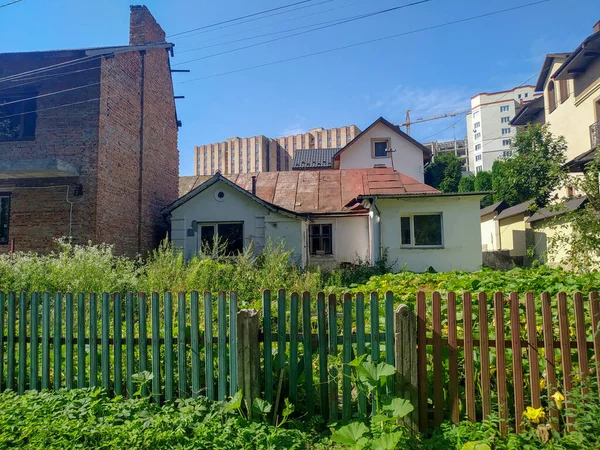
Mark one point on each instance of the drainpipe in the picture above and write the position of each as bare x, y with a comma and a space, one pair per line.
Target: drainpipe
141, 153
375, 215
253, 184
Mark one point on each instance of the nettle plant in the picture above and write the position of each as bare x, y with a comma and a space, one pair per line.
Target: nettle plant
385, 429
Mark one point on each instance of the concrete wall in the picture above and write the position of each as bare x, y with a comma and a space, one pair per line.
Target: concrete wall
350, 241
490, 233
259, 222
546, 250
461, 233
408, 158
512, 235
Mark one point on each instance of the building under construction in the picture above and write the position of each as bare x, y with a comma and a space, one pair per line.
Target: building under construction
457, 146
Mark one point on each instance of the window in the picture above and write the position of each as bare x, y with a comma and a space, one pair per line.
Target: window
477, 157
475, 114
526, 94
4, 217
477, 124
477, 135
564, 90
505, 119
477, 147
507, 153
551, 97
478, 169
380, 148
505, 142
422, 230
505, 130
504, 108
321, 238
231, 236
17, 117
520, 96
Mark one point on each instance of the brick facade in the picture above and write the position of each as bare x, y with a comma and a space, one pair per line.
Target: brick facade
104, 136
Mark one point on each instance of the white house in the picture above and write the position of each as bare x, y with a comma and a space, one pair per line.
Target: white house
490, 227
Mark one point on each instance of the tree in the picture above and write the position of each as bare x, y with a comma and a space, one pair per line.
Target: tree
444, 173
467, 184
483, 183
535, 169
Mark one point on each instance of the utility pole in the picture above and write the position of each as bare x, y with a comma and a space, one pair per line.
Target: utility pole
390, 151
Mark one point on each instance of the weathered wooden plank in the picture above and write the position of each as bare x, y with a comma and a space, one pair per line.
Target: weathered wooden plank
118, 343
405, 359
181, 350
248, 355
57, 345
389, 336
595, 313
143, 336
222, 348
294, 348
347, 357
2, 323
45, 341
208, 347
81, 352
422, 359
195, 343
307, 347
129, 344
469, 357
155, 325
281, 327
484, 355
438, 383
169, 365
10, 341
548, 330
374, 304
532, 350
35, 335
69, 321
581, 339
105, 359
22, 342
501, 362
453, 359
268, 346
360, 345
517, 361
565, 355
233, 364
332, 350
322, 330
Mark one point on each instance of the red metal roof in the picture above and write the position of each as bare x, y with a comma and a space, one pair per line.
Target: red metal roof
314, 191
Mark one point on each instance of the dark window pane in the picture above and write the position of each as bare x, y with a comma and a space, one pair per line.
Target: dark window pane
381, 149
315, 230
4, 219
17, 119
207, 236
326, 230
315, 245
428, 229
327, 246
405, 230
232, 234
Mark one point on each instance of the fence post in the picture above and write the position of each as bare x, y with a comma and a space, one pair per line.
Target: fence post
248, 356
405, 356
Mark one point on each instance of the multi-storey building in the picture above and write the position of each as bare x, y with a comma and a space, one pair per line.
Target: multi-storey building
458, 147
261, 154
489, 132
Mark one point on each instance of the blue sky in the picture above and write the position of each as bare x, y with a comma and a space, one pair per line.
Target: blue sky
430, 72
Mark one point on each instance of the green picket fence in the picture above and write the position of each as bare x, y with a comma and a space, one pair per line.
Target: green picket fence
302, 345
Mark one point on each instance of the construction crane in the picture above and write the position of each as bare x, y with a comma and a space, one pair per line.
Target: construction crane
409, 122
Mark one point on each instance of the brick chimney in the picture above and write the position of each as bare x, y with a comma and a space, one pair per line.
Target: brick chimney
143, 28
597, 27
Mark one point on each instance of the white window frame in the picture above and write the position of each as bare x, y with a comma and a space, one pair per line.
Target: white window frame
412, 230
505, 119
504, 108
505, 131
374, 141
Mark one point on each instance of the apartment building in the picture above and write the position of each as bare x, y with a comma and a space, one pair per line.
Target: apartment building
458, 147
489, 132
262, 154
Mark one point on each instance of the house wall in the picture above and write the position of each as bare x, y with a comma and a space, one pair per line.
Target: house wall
572, 119
545, 249
461, 233
512, 235
490, 233
39, 210
408, 158
350, 241
259, 222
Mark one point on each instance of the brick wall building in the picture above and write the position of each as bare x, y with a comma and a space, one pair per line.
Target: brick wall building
88, 143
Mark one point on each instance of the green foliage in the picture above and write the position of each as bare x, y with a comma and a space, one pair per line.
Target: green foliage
535, 169
467, 184
483, 183
444, 173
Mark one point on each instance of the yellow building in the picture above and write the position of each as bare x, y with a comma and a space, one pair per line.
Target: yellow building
512, 228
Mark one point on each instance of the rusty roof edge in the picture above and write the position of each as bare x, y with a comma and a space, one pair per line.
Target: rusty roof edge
423, 194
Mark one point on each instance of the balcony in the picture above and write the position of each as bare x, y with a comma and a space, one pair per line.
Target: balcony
595, 134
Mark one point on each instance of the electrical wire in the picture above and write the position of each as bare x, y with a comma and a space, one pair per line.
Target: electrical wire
342, 21
240, 18
10, 3
322, 52
43, 78
18, 76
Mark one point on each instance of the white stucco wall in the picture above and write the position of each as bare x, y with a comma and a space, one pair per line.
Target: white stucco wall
350, 241
461, 233
490, 233
408, 158
259, 222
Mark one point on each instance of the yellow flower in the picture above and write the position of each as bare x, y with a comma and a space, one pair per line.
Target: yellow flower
558, 399
535, 415
543, 383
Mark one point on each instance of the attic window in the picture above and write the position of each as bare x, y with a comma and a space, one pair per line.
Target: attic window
17, 117
380, 148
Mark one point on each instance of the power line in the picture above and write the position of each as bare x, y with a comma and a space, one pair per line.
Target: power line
342, 21
255, 19
295, 58
42, 78
10, 3
240, 18
71, 62
49, 94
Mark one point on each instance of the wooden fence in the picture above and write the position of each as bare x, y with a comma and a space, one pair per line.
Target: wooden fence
451, 367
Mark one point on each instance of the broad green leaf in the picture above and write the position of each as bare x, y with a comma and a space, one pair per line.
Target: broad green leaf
350, 434
387, 441
261, 406
399, 407
357, 361
476, 445
235, 403
288, 408
381, 418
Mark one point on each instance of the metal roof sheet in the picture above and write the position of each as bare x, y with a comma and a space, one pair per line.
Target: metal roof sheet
521, 208
314, 158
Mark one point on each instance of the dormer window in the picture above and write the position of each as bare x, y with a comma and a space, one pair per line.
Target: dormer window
380, 148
